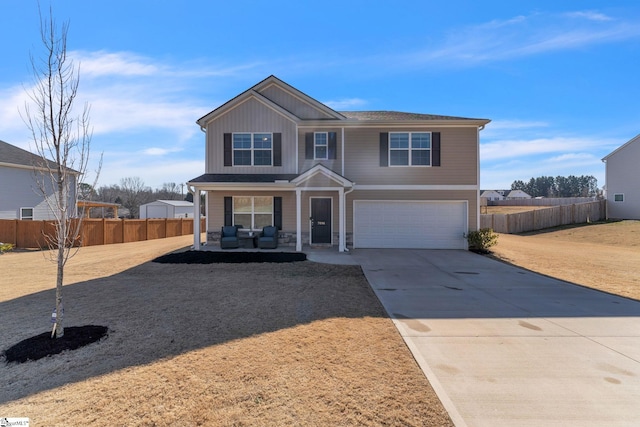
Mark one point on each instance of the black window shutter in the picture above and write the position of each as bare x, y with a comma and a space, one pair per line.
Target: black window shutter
384, 149
333, 144
435, 148
228, 151
308, 143
277, 149
277, 212
228, 211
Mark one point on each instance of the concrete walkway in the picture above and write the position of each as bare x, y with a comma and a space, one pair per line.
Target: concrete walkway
506, 347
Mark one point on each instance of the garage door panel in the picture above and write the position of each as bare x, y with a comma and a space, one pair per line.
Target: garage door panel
410, 224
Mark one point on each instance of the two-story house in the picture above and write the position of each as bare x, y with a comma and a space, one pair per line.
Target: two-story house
365, 179
26, 189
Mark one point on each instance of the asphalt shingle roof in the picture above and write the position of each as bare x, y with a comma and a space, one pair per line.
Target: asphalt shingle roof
17, 156
225, 177
396, 116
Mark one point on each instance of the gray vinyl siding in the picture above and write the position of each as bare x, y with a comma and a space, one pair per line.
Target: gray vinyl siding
250, 116
306, 164
459, 158
622, 178
293, 104
19, 189
426, 195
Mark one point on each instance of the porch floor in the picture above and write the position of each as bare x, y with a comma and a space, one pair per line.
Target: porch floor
320, 254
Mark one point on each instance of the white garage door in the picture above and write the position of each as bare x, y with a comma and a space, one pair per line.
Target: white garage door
410, 224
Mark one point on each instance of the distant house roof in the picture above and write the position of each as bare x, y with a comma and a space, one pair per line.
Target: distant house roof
10, 155
180, 203
518, 193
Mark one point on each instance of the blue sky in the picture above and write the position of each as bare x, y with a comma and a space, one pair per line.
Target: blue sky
559, 79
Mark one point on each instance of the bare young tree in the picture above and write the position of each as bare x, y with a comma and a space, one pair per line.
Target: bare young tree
62, 139
135, 193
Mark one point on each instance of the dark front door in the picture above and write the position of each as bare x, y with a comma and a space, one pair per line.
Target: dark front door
320, 220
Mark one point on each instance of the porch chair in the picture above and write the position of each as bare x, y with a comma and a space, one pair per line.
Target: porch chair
269, 238
229, 237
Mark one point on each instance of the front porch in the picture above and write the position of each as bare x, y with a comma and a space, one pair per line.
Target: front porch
308, 209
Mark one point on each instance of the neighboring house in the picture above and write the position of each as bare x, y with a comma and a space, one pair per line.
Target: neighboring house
492, 195
622, 180
366, 179
517, 195
167, 209
21, 175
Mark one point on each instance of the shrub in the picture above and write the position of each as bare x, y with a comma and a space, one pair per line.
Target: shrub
5, 247
481, 240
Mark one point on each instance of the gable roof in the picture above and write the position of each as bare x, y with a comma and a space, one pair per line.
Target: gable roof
176, 203
255, 92
322, 170
623, 146
347, 117
10, 155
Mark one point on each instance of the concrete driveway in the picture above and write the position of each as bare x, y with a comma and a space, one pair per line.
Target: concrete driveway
506, 347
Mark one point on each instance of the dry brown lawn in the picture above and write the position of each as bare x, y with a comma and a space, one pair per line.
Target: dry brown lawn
602, 256
218, 344
509, 209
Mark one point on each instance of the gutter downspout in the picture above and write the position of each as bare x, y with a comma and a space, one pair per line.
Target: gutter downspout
480, 128
344, 214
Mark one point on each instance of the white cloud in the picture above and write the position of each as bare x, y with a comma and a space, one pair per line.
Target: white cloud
103, 63
346, 104
590, 15
524, 36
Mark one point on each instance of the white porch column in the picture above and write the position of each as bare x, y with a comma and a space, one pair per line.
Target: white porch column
342, 229
196, 219
298, 220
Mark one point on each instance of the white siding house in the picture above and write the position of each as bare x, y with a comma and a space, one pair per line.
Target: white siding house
622, 179
167, 209
517, 195
492, 195
20, 193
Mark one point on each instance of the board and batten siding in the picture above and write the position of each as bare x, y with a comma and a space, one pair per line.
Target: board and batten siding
250, 116
458, 158
405, 195
306, 164
292, 103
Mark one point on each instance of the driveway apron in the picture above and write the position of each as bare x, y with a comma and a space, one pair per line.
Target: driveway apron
503, 346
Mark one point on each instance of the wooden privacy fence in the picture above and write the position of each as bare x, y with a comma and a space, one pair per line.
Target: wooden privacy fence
539, 219
31, 234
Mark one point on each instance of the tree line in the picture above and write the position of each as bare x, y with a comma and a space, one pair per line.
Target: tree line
133, 192
560, 186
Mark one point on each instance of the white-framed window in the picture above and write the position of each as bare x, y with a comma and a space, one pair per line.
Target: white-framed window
252, 149
618, 197
253, 212
321, 146
26, 214
409, 148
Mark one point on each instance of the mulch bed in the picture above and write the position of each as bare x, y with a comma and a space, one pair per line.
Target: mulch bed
43, 345
208, 257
